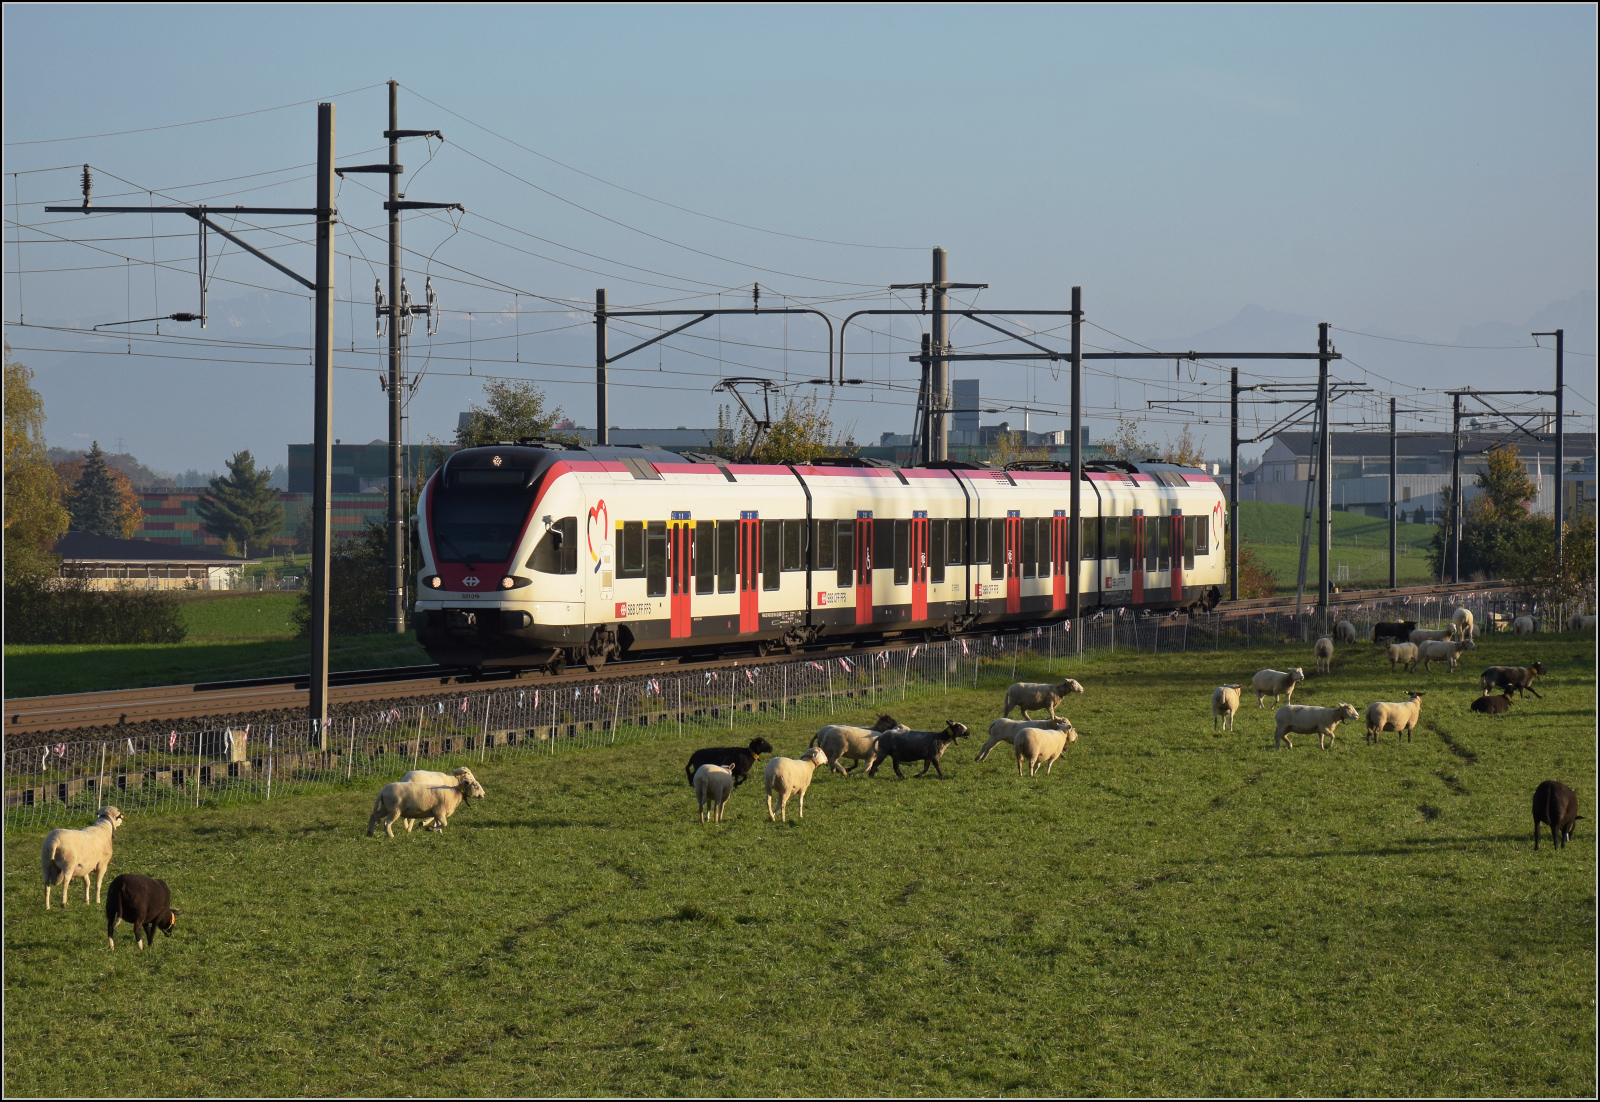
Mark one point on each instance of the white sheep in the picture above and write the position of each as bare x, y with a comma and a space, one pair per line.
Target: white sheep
1442, 650
1344, 631
1579, 622
839, 741
1425, 635
1323, 649
1036, 745
1524, 625
1006, 730
1275, 683
1461, 625
418, 800
1303, 719
68, 853
713, 784
1224, 706
429, 776
791, 777
1400, 718
1402, 654
1030, 695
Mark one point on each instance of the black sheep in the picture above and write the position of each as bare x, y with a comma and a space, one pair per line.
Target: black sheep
738, 758
143, 902
1398, 632
905, 746
1512, 678
1554, 803
1492, 705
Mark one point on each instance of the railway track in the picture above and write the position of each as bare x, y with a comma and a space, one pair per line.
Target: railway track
169, 703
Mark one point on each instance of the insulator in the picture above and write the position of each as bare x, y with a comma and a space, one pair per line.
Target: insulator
378, 306
403, 308
88, 184
433, 308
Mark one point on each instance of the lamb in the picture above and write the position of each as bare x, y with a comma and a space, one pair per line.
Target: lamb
855, 743
1275, 683
1344, 631
1554, 804
1424, 635
1028, 695
1402, 654
1461, 624
1492, 705
143, 902
1579, 622
428, 776
1399, 718
1303, 719
904, 746
1440, 650
1398, 631
791, 777
68, 853
1511, 679
414, 800
713, 784
1035, 745
1524, 625
1224, 706
738, 758
1323, 650
1007, 730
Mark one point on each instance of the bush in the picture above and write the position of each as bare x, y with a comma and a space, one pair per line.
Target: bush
358, 594
66, 610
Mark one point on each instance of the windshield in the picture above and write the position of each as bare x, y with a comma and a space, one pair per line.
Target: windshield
478, 524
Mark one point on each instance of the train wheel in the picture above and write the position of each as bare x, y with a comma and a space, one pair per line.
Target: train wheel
763, 647
594, 661
556, 664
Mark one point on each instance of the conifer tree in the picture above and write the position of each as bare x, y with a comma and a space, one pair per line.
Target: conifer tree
242, 506
102, 500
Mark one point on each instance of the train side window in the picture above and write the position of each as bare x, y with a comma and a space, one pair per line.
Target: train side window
655, 559
727, 555
557, 550
1188, 542
1089, 537
630, 563
793, 530
997, 547
958, 542
936, 550
902, 551
980, 541
1124, 543
822, 546
845, 555
1202, 536
883, 533
1152, 524
705, 556
1030, 548
771, 553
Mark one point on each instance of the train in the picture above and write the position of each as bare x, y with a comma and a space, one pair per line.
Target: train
538, 554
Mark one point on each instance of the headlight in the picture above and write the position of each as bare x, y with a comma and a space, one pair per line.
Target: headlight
511, 581
433, 581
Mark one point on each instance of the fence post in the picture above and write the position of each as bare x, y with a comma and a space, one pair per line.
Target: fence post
350, 758
616, 710
828, 669
483, 737
680, 707
785, 704
271, 731
100, 785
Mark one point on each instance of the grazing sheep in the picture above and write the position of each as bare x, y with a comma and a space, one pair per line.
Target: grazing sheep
1524, 625
1028, 695
1461, 624
1035, 745
1442, 651
1006, 731
1402, 654
713, 784
904, 746
1510, 679
1399, 718
855, 743
1275, 683
1492, 705
429, 776
1323, 649
1579, 622
1554, 804
143, 902
1398, 631
416, 800
1344, 631
791, 777
738, 758
1224, 706
69, 853
1303, 719
1424, 635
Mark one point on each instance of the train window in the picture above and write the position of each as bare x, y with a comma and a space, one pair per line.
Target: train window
771, 553
845, 553
902, 551
632, 550
1188, 542
1164, 543
1124, 543
883, 543
1202, 535
655, 559
998, 550
936, 550
557, 550
1089, 537
822, 546
705, 556
958, 543
793, 530
727, 555
980, 541
1151, 525
1030, 548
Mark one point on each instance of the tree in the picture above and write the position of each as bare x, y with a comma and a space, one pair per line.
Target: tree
1499, 538
101, 499
34, 515
802, 431
1255, 580
1127, 443
1009, 448
358, 587
243, 506
513, 409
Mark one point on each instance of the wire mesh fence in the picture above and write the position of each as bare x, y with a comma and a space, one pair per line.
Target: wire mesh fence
66, 782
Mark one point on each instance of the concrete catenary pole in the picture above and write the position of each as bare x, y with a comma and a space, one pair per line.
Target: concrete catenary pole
397, 513
939, 384
1075, 525
322, 432
1324, 472
1233, 484
1394, 519
602, 412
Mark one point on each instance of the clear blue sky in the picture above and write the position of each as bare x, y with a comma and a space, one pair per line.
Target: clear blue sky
1414, 171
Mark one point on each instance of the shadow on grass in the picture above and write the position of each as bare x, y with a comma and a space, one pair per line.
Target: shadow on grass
1404, 848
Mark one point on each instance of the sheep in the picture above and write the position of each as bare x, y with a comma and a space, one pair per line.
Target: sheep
143, 902
414, 800
1492, 705
713, 784
791, 777
1303, 719
904, 746
1323, 649
855, 743
1440, 650
428, 776
1511, 679
738, 758
1344, 631
1006, 731
1402, 654
1028, 695
1424, 635
1524, 625
1036, 744
1275, 683
1398, 631
1579, 622
1399, 718
1224, 706
68, 853
1554, 804
1461, 624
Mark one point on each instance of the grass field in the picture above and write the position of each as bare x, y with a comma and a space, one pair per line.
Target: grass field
1360, 542
1172, 912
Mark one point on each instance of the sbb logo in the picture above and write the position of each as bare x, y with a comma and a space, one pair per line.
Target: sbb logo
470, 581
622, 610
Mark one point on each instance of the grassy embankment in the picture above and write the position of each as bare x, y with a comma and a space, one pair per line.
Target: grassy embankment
1360, 542
1171, 912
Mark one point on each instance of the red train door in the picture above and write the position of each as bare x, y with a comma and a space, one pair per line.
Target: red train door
1176, 544
863, 566
919, 565
1138, 556
1013, 560
1058, 560
680, 564
749, 571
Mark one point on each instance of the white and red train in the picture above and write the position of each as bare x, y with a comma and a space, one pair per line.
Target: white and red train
541, 554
